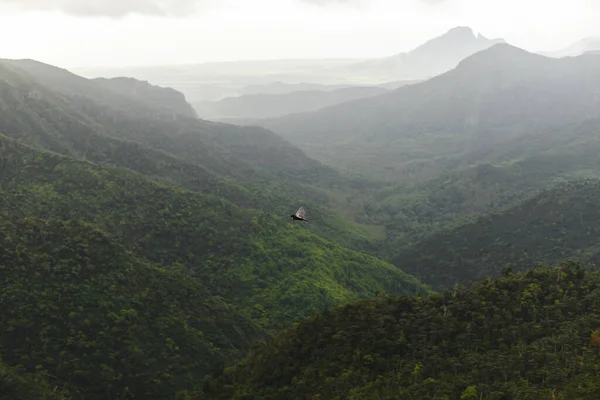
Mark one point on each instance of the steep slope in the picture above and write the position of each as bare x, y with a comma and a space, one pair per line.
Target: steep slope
252, 167
432, 58
156, 96
414, 132
515, 171
162, 283
257, 260
522, 337
124, 114
88, 93
276, 105
558, 223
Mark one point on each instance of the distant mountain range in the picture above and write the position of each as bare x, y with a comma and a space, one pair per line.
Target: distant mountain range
275, 105
279, 98
576, 49
282, 99
495, 95
215, 81
432, 58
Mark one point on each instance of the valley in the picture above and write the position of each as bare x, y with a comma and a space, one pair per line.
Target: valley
450, 250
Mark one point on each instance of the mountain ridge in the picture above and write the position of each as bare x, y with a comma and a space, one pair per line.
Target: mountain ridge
75, 219
273, 105
435, 56
252, 167
516, 93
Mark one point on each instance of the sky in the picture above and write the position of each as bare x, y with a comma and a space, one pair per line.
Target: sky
87, 33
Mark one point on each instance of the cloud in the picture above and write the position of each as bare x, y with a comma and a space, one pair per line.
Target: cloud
111, 8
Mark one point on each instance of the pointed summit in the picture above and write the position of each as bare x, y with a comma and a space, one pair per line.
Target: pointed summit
460, 31
434, 57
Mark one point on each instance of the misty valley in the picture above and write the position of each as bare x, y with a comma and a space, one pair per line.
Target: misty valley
445, 244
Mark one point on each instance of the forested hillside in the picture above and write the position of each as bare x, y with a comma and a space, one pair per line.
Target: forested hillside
100, 321
142, 248
114, 239
561, 222
16, 384
525, 336
252, 167
517, 170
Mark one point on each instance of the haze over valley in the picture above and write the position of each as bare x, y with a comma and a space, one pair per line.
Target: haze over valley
300, 200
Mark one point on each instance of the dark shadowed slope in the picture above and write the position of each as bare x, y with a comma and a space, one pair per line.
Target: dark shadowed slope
558, 223
522, 337
417, 130
16, 384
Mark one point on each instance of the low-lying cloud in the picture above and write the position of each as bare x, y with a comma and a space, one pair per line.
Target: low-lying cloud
111, 8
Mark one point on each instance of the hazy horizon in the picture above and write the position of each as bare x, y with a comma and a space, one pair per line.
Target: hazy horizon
113, 33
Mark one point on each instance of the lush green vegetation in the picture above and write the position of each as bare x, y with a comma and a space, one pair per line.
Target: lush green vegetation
53, 109
149, 248
524, 336
558, 223
143, 268
520, 170
16, 384
79, 307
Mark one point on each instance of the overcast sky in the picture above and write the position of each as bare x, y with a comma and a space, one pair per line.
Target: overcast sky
72, 33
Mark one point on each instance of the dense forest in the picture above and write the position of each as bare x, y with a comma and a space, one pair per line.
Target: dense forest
558, 223
103, 323
523, 336
148, 254
165, 265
